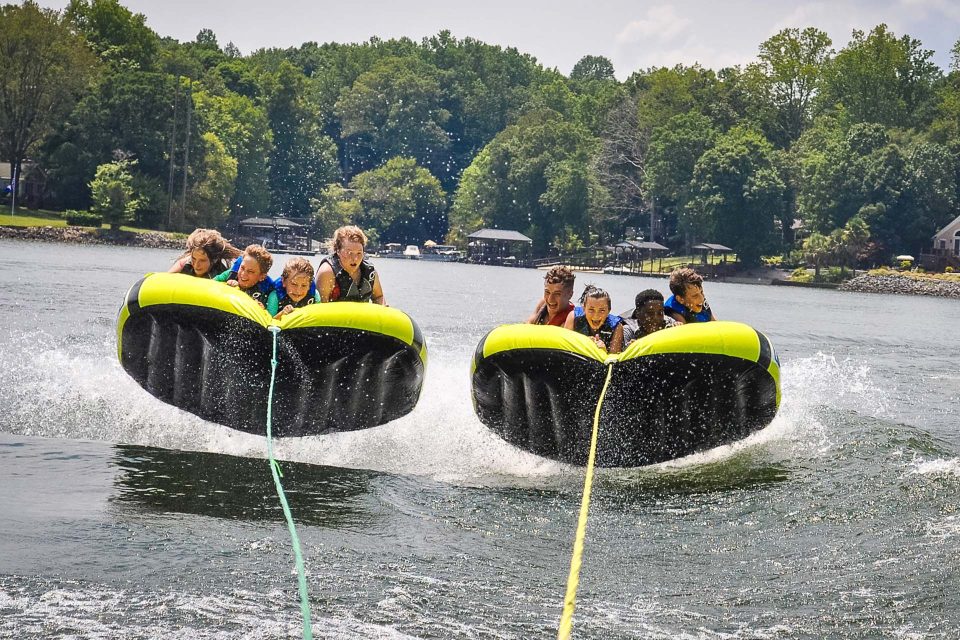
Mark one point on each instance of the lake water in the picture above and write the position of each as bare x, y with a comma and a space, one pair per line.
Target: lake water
122, 517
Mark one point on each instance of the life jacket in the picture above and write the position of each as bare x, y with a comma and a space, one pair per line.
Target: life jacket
345, 289
558, 319
216, 268
674, 305
580, 325
260, 291
285, 299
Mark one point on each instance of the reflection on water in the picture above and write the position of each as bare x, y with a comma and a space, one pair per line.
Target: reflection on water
239, 488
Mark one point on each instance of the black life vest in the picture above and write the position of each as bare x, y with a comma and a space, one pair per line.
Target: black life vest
216, 268
345, 289
580, 325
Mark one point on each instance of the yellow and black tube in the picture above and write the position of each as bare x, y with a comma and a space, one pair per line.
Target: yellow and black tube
205, 347
672, 393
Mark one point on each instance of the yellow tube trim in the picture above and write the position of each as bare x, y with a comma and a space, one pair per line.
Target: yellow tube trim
175, 288
720, 338
532, 336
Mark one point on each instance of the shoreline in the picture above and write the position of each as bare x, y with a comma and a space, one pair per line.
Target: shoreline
87, 235
889, 283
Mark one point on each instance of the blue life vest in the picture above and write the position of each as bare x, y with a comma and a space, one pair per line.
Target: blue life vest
260, 291
674, 305
580, 325
284, 298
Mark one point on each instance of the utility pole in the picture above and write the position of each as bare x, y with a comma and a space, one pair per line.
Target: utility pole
13, 188
173, 155
653, 218
186, 154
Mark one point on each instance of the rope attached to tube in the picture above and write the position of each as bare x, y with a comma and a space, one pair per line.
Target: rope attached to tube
277, 474
570, 600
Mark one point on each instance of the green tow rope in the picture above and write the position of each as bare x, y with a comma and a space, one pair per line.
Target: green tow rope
277, 474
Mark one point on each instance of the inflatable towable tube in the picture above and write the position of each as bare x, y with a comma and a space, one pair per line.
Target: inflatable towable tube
672, 393
205, 347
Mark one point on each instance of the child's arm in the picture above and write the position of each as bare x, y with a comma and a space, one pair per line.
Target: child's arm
178, 265
616, 342
377, 294
536, 312
325, 282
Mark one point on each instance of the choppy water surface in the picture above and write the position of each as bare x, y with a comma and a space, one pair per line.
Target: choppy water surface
123, 517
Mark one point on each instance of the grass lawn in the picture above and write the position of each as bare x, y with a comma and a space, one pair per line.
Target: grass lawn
44, 218
31, 218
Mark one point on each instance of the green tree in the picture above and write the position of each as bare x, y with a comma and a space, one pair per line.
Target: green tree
792, 64
816, 247
536, 177
243, 128
208, 201
127, 110
303, 160
335, 207
116, 34
113, 194
593, 68
44, 68
402, 201
738, 194
674, 151
880, 78
394, 109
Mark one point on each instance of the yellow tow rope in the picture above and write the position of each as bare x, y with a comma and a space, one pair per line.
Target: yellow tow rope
570, 601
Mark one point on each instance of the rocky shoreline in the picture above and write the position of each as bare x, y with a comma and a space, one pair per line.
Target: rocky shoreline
903, 285
84, 235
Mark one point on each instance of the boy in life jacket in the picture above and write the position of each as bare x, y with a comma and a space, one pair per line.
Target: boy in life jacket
593, 319
208, 255
646, 317
295, 289
249, 274
687, 304
346, 275
555, 305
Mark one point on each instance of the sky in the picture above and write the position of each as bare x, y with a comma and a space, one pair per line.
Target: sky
633, 35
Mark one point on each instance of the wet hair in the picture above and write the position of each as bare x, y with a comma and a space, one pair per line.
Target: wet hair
591, 291
646, 296
560, 275
680, 279
297, 266
261, 255
346, 234
213, 244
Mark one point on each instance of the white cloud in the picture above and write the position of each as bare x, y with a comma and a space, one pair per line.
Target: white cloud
922, 9
837, 20
661, 24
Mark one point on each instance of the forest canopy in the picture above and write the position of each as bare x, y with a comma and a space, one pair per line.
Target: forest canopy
437, 138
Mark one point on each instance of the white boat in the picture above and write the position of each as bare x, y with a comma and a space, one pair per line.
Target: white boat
412, 252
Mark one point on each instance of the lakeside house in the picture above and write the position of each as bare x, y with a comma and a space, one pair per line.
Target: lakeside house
946, 248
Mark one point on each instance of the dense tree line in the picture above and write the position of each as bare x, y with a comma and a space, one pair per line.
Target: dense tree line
434, 139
